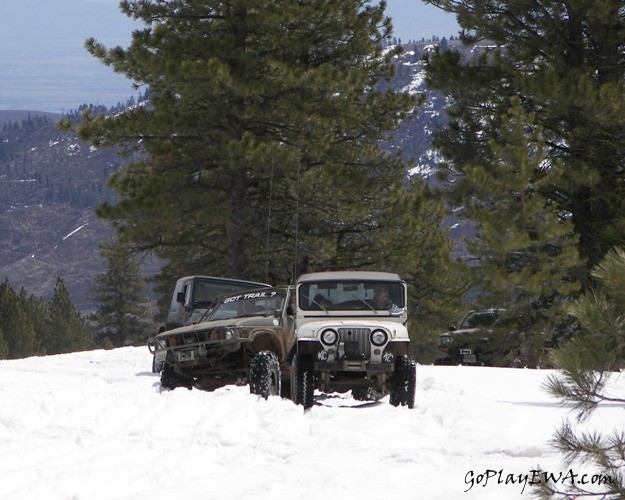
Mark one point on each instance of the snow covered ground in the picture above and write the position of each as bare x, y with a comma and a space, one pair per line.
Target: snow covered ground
94, 425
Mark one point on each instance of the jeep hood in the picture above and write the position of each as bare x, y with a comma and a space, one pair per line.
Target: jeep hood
209, 325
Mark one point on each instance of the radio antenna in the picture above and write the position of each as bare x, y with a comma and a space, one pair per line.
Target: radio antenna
296, 222
269, 220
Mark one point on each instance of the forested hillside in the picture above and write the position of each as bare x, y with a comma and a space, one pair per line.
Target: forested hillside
51, 183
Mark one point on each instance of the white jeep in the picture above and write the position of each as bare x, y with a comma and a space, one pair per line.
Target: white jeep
351, 335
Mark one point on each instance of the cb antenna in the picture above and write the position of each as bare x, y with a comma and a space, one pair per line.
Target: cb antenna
296, 222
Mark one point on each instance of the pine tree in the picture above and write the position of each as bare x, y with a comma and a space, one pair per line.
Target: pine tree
4, 346
17, 326
121, 297
39, 314
587, 364
524, 254
565, 62
67, 330
422, 256
258, 155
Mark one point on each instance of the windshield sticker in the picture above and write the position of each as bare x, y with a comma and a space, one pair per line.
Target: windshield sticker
251, 296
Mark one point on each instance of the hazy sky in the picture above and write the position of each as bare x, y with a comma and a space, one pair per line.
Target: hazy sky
412, 19
45, 67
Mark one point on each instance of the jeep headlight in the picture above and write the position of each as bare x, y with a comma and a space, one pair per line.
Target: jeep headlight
378, 337
329, 337
228, 334
445, 339
223, 334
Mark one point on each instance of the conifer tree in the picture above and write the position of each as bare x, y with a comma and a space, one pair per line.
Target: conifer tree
121, 297
38, 312
524, 254
4, 347
566, 63
422, 256
258, 155
17, 326
67, 331
587, 363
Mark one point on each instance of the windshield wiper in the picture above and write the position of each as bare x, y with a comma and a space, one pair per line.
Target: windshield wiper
365, 303
316, 303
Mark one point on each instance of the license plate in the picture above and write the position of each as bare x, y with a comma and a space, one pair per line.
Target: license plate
464, 351
352, 348
469, 358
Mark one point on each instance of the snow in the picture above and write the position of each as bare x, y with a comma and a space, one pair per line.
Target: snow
75, 231
94, 425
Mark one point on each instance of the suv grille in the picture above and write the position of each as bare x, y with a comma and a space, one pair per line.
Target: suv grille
355, 342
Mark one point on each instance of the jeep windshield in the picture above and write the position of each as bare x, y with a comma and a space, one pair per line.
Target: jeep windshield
206, 290
480, 319
351, 296
258, 303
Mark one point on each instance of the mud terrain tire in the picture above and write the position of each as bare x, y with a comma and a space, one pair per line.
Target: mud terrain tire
302, 381
404, 382
265, 375
170, 379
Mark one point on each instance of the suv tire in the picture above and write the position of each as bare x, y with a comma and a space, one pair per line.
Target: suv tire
265, 375
404, 382
302, 381
170, 379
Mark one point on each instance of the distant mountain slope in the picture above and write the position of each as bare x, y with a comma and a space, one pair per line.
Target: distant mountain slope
51, 182
18, 116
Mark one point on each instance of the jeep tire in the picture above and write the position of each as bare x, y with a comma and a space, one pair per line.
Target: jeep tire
302, 380
264, 375
404, 382
170, 379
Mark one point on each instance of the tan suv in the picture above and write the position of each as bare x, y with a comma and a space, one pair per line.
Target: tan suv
244, 339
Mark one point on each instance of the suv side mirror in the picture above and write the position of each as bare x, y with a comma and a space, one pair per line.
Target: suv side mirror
290, 311
180, 297
415, 306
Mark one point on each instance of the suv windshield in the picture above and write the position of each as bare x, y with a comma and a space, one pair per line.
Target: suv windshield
205, 291
258, 303
351, 295
479, 319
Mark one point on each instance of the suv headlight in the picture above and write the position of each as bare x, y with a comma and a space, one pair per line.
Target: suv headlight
329, 337
378, 337
223, 333
445, 339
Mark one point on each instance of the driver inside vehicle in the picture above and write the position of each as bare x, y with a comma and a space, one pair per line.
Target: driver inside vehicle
322, 302
380, 297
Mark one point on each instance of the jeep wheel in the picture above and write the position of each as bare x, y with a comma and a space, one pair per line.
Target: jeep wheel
170, 379
362, 394
265, 375
302, 380
404, 382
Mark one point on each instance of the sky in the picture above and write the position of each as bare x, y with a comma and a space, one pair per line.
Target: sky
95, 426
45, 67
412, 19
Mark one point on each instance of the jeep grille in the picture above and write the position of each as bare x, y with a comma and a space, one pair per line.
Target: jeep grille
355, 342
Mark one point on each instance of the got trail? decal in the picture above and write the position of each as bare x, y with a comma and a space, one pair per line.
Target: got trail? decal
250, 296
